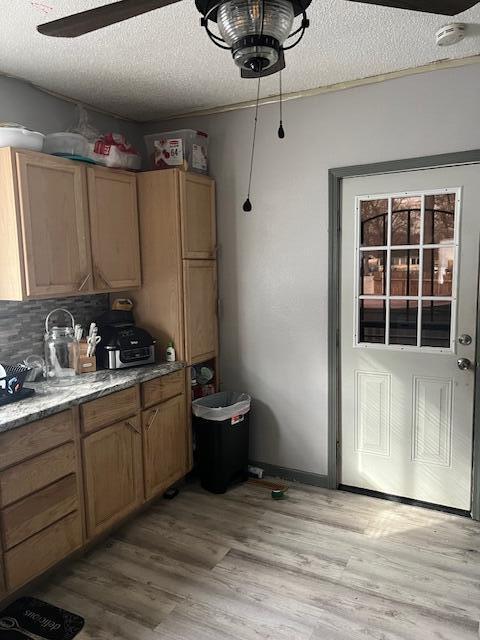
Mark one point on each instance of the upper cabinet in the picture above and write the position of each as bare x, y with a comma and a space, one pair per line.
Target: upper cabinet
112, 200
54, 217
61, 233
197, 199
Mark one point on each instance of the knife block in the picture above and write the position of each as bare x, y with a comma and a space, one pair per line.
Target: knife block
79, 359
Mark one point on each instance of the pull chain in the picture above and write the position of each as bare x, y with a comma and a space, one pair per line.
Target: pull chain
247, 205
281, 130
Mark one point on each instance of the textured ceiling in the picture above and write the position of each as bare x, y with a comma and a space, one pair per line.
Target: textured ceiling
162, 63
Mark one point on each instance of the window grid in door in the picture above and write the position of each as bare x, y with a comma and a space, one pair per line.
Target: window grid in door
414, 236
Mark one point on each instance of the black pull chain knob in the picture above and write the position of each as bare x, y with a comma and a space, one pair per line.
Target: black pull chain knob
247, 205
281, 131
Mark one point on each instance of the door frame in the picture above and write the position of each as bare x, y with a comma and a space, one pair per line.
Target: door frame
335, 180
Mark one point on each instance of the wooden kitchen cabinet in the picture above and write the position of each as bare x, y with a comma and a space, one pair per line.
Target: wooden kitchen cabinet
200, 308
114, 229
165, 445
41, 489
51, 219
112, 461
45, 216
177, 221
197, 208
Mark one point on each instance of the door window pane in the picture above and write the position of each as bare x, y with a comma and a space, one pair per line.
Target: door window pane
372, 272
372, 321
404, 270
439, 218
406, 214
373, 223
403, 322
438, 271
436, 321
399, 267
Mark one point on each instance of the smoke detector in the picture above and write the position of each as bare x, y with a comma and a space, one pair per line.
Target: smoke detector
450, 34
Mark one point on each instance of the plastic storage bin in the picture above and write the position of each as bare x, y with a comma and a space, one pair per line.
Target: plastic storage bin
221, 423
66, 144
185, 148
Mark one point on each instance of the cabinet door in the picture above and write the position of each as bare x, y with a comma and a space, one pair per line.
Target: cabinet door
200, 309
54, 214
112, 461
165, 445
114, 229
197, 200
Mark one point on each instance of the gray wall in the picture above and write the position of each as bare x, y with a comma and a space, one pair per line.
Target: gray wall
273, 262
22, 323
273, 269
22, 103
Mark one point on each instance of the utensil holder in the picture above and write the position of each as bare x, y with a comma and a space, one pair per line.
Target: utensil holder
79, 359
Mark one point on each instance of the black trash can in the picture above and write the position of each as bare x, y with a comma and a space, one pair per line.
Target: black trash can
221, 423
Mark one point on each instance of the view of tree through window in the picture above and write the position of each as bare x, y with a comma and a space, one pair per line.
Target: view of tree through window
406, 269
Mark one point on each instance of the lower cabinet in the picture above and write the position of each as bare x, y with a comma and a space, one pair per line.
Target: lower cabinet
77, 474
165, 444
43, 550
112, 467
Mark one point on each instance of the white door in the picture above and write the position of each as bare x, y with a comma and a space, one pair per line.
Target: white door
408, 308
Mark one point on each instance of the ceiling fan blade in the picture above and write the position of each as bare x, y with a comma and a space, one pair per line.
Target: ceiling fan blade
441, 7
93, 19
278, 66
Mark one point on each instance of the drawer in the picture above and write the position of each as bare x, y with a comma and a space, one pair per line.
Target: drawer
109, 409
164, 388
29, 516
35, 438
34, 474
40, 552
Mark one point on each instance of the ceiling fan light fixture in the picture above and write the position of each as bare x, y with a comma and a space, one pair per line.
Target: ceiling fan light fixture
255, 30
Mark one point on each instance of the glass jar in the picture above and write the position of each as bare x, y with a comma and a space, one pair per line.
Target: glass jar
60, 347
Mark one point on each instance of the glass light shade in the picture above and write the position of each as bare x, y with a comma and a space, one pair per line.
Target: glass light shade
237, 19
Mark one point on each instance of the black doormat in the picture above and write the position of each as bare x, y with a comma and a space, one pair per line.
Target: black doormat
35, 619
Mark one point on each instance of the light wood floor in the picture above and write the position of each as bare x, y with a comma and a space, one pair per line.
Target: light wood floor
321, 565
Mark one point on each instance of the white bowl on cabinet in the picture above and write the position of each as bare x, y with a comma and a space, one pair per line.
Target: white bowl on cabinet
21, 138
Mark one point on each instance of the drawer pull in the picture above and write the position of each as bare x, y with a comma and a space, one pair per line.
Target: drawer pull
132, 426
152, 420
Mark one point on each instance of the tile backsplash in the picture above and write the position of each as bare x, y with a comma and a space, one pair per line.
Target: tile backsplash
22, 324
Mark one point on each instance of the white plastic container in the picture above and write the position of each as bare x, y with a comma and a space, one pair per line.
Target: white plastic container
66, 144
185, 148
21, 138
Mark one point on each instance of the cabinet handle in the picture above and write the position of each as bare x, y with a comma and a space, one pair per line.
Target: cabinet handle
132, 426
152, 420
102, 277
84, 281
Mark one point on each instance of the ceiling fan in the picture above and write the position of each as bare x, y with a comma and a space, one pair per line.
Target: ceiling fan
255, 31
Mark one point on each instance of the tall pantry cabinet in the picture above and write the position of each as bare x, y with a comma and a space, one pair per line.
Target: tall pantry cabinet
178, 298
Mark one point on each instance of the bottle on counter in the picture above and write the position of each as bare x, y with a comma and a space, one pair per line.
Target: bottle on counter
170, 354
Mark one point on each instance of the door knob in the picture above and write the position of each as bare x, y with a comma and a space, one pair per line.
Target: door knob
464, 364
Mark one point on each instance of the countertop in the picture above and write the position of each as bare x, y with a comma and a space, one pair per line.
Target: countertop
88, 386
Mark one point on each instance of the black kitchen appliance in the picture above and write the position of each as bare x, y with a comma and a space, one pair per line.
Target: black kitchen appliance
123, 344
11, 383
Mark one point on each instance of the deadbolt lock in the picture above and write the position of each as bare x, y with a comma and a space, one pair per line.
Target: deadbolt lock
465, 339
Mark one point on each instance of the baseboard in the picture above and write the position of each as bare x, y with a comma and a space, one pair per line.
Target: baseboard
294, 475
